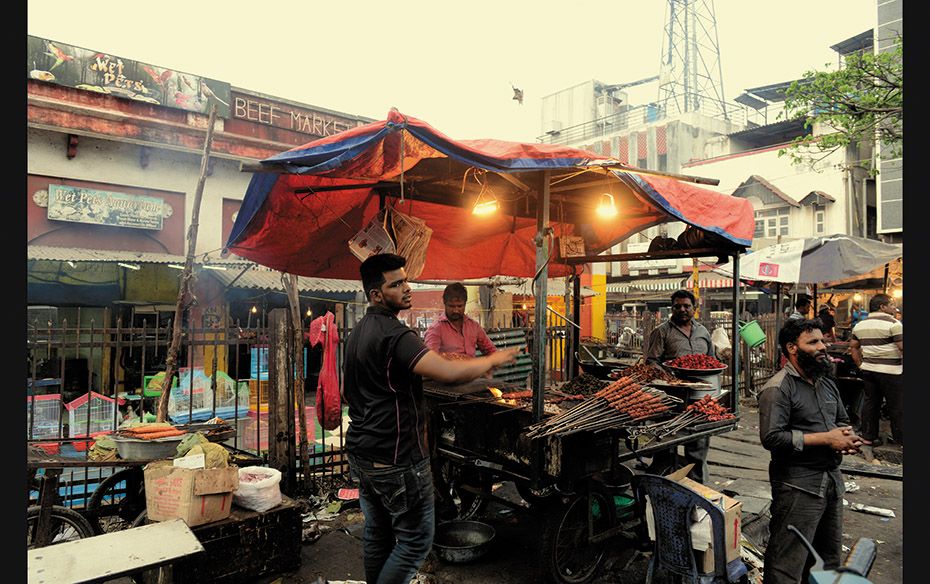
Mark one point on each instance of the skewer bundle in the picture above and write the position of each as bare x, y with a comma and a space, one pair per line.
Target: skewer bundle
621, 402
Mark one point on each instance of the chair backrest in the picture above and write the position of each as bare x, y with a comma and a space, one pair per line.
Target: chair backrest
672, 504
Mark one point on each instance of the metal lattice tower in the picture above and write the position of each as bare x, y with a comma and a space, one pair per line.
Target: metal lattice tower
690, 77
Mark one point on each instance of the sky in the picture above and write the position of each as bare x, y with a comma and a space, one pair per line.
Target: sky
451, 65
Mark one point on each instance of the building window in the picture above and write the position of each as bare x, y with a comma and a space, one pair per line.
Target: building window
641, 163
771, 222
663, 162
819, 213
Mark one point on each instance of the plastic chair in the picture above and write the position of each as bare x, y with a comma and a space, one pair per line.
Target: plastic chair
672, 504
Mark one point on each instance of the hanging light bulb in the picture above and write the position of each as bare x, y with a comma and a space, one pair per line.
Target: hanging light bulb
857, 297
898, 293
309, 312
485, 204
524, 306
254, 309
607, 208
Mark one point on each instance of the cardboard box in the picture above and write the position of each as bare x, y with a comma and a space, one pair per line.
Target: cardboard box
701, 538
197, 496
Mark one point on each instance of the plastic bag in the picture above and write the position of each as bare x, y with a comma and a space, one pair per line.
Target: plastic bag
259, 488
720, 339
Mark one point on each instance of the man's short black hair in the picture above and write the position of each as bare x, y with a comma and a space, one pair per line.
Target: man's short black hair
802, 301
793, 328
877, 301
683, 294
373, 268
454, 291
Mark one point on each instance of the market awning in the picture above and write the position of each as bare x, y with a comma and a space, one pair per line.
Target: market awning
261, 278
74, 254
648, 285
299, 212
709, 281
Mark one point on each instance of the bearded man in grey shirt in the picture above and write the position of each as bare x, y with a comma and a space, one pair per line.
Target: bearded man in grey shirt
804, 425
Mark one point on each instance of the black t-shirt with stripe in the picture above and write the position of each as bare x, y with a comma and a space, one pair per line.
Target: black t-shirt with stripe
385, 396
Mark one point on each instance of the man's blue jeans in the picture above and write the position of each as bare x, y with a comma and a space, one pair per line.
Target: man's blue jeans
397, 502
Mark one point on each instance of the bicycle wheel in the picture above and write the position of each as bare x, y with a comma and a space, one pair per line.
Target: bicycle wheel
66, 525
117, 501
568, 554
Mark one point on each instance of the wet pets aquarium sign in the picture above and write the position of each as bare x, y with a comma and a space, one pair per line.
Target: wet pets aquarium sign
70, 66
104, 207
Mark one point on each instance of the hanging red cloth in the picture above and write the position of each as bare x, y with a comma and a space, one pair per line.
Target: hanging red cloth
328, 406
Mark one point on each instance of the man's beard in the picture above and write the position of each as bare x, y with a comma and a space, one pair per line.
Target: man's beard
815, 366
680, 319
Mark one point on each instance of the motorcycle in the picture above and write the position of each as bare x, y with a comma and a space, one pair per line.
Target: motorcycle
855, 568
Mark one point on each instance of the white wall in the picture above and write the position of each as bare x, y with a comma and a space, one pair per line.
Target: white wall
796, 181
118, 163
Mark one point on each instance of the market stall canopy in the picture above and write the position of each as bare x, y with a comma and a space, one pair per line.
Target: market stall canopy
828, 260
304, 205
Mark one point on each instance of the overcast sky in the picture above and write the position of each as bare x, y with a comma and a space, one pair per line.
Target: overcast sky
449, 64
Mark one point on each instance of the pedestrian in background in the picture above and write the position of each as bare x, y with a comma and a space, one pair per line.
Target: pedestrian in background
877, 349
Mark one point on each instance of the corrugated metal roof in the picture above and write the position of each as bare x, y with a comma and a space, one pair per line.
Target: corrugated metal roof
76, 254
262, 278
652, 284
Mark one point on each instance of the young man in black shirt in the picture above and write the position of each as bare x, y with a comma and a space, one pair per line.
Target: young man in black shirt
804, 425
386, 440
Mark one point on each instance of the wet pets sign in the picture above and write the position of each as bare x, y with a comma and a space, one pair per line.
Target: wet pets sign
82, 205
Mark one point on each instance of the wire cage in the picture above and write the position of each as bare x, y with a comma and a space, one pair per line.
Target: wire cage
43, 416
102, 411
194, 399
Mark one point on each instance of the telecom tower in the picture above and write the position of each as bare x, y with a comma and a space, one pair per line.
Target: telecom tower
690, 76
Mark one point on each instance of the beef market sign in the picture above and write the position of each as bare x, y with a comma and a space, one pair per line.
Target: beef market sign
81, 205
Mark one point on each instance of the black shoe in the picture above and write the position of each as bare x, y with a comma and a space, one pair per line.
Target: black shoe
876, 441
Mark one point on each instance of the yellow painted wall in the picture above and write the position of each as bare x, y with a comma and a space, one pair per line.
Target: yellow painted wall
599, 303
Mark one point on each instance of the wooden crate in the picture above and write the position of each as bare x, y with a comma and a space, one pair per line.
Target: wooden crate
244, 546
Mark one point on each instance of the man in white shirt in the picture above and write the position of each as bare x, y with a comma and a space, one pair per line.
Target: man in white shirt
877, 349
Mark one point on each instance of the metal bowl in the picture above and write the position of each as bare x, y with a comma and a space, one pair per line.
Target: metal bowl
459, 541
604, 370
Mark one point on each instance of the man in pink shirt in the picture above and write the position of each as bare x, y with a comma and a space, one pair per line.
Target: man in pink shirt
455, 333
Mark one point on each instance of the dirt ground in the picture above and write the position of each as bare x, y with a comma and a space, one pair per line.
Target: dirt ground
335, 555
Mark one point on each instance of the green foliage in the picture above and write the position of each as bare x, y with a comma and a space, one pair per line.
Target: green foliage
861, 102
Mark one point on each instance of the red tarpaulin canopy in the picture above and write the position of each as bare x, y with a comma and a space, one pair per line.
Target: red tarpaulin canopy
299, 214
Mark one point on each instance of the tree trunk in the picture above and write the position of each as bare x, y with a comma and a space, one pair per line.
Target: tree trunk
184, 288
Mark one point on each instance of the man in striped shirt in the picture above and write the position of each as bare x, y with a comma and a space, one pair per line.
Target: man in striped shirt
877, 349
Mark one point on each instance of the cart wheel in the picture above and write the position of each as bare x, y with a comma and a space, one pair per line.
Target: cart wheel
568, 555
117, 501
453, 500
66, 525
536, 497
141, 519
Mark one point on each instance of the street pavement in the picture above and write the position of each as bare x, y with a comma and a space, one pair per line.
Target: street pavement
737, 467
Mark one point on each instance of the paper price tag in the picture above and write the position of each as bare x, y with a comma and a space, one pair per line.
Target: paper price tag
192, 461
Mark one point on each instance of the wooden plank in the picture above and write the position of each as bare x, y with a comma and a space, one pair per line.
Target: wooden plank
751, 488
728, 444
725, 473
107, 556
727, 459
754, 505
871, 470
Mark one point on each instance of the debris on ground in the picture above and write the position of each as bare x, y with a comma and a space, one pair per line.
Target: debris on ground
872, 510
851, 486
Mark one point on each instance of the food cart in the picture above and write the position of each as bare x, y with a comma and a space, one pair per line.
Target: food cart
303, 205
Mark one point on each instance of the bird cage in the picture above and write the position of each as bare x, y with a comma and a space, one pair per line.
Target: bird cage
101, 410
43, 416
